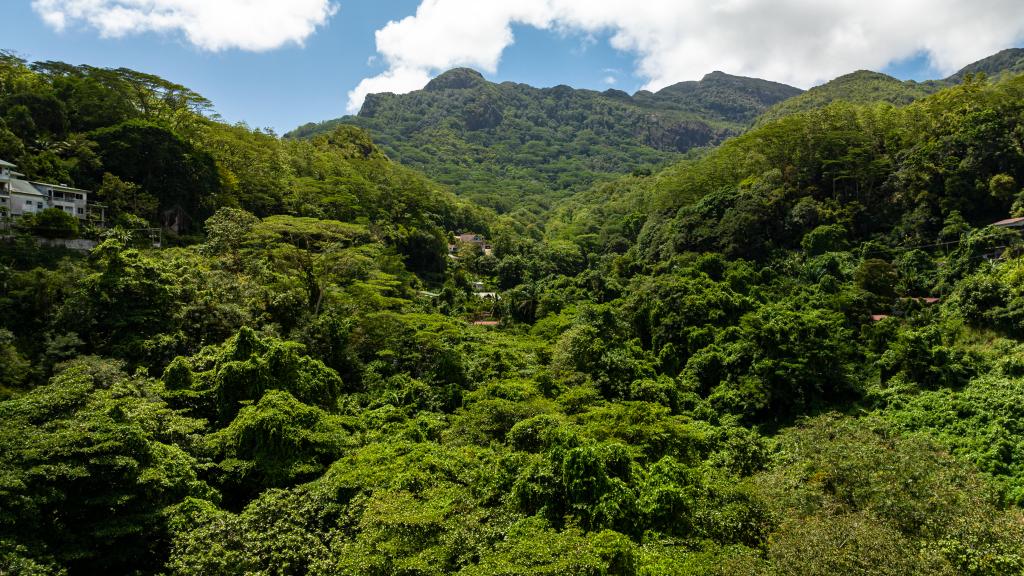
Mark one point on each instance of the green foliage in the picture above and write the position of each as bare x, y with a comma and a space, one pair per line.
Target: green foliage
182, 178
876, 276
879, 172
33, 115
126, 199
88, 462
13, 366
276, 442
246, 367
828, 238
865, 87
534, 548
50, 223
864, 501
125, 300
227, 229
786, 361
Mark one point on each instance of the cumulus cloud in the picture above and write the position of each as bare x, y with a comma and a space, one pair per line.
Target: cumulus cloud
444, 34
800, 42
214, 25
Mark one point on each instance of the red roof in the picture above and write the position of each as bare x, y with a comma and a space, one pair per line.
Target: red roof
1010, 222
471, 237
486, 323
877, 317
925, 299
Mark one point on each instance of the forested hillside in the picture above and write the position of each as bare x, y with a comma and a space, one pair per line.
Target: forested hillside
861, 87
865, 87
798, 353
1007, 62
511, 146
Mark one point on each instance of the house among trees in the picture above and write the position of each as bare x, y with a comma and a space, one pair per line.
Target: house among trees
19, 197
470, 239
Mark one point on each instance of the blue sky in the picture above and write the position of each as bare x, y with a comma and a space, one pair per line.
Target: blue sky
292, 84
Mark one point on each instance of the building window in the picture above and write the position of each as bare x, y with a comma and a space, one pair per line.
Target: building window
39, 204
28, 203
81, 210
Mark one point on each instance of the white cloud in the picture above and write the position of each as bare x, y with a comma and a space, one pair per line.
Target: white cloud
398, 80
213, 25
444, 34
610, 80
800, 42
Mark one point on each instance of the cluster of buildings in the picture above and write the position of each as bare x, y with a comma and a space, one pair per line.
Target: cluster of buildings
19, 197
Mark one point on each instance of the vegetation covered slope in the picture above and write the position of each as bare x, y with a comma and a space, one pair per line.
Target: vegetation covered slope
861, 87
728, 367
865, 87
513, 146
882, 168
1005, 62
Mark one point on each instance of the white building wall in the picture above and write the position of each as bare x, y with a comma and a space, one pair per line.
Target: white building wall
21, 204
19, 197
71, 200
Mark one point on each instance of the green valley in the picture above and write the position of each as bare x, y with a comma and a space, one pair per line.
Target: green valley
484, 329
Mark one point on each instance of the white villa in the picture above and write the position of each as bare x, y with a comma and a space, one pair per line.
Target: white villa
19, 197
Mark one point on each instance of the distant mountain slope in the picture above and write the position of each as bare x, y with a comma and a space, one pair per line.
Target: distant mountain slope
861, 87
1009, 61
720, 97
515, 146
866, 87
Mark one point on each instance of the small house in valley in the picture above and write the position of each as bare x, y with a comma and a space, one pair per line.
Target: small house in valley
470, 239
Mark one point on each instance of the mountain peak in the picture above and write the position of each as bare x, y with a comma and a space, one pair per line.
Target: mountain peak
862, 76
716, 75
456, 79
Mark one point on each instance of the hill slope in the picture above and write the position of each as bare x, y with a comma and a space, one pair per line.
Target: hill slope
861, 87
1009, 61
866, 87
509, 145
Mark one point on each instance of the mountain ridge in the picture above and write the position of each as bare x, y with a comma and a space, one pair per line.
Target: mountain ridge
510, 145
514, 147
867, 86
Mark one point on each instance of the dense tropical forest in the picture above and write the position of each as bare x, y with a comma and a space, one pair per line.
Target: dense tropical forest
799, 352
